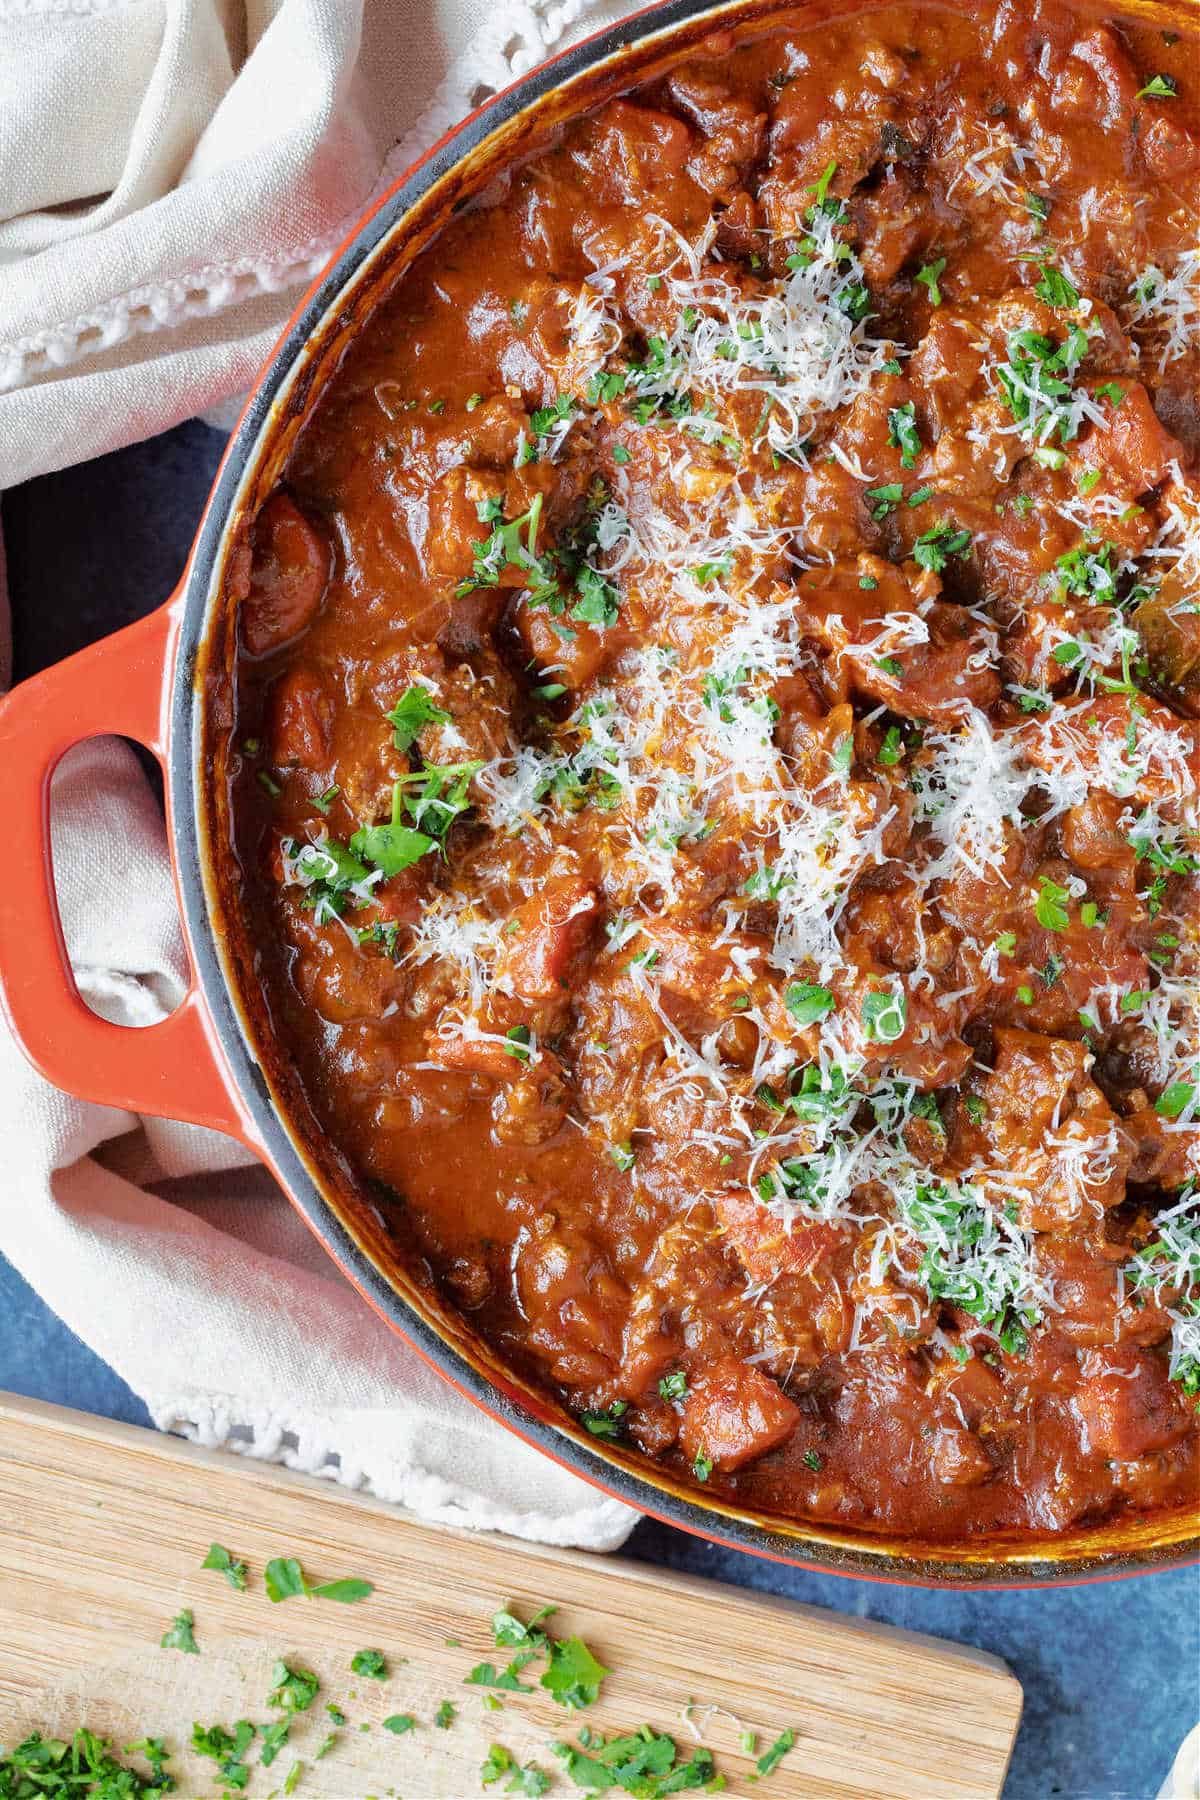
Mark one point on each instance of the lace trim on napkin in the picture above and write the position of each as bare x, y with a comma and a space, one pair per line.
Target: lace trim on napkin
515, 39
269, 1436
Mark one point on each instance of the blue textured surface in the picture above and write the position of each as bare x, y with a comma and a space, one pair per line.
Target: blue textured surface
1111, 1672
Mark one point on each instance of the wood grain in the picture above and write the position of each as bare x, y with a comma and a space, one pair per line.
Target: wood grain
103, 1528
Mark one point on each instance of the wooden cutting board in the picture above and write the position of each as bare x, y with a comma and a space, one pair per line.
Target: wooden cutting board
103, 1528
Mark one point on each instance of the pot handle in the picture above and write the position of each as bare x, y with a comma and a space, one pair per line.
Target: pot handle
173, 1069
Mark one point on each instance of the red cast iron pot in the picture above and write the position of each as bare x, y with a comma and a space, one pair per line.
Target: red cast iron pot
166, 682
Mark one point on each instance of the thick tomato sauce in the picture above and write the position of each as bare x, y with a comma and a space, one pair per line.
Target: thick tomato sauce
716, 766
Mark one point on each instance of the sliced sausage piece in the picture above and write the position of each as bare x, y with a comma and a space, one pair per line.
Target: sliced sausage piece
1126, 1404
733, 1414
289, 572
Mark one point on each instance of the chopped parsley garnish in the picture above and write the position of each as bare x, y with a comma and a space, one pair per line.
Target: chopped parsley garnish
673, 1386
1034, 383
1038, 207
708, 572
274, 1739
522, 1779
227, 1749
1055, 288
927, 275
1167, 1269
1051, 906
885, 499
412, 712
180, 1635
973, 1258
486, 1674
1088, 573
1159, 87
775, 1755
933, 548
294, 1690
399, 1723
605, 386
284, 1579
219, 1558
903, 434
395, 846
573, 1677
820, 191
52, 1767
507, 547
606, 1424
854, 300
1175, 1099
371, 1663
812, 1460
702, 1466
445, 1715
433, 797
645, 1763
517, 1041
892, 748
808, 1002
1051, 969
542, 422
884, 1017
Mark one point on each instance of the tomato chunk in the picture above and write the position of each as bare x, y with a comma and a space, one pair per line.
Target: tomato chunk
734, 1414
553, 933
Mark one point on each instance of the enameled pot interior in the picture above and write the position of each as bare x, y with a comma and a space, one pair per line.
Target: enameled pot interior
335, 1201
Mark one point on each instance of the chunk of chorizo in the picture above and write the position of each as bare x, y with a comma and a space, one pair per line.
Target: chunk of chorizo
289, 573
300, 714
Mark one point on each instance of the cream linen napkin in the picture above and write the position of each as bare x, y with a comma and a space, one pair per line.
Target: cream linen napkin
171, 173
